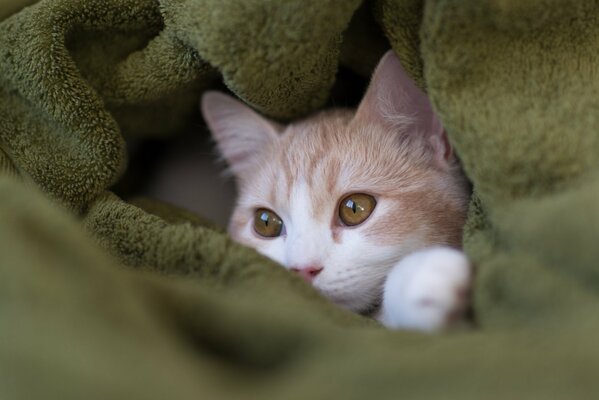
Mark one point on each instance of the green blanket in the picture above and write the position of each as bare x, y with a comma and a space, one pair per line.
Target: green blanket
100, 298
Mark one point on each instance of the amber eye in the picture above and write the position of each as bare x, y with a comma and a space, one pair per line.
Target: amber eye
355, 208
267, 223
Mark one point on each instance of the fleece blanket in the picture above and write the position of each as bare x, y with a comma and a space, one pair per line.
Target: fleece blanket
101, 298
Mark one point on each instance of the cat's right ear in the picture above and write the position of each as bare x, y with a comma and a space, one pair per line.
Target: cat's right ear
240, 133
394, 99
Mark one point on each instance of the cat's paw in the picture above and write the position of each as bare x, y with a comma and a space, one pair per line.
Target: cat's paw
427, 290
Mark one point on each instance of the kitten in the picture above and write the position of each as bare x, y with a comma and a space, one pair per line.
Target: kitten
367, 205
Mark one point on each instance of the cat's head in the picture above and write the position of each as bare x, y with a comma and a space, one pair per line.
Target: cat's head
343, 195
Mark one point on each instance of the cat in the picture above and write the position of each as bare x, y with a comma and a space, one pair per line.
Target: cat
367, 205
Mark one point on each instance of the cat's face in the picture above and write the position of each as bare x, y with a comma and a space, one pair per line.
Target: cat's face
342, 196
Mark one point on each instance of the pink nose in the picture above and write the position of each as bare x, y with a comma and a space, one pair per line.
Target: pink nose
308, 273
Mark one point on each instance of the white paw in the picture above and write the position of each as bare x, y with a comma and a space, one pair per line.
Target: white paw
427, 290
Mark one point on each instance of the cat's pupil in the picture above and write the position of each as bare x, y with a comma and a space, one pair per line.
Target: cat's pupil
354, 206
264, 218
351, 204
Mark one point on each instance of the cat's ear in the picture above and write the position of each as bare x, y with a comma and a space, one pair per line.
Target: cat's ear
395, 100
240, 133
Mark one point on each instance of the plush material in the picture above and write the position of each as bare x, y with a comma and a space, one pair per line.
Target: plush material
100, 298
10, 7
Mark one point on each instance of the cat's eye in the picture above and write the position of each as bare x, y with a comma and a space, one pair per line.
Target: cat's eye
356, 208
267, 223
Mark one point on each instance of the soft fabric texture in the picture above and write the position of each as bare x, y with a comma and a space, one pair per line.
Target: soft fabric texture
100, 298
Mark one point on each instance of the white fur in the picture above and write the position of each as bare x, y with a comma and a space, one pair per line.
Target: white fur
354, 270
422, 291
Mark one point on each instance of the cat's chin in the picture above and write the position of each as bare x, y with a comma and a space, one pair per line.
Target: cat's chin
366, 307
372, 309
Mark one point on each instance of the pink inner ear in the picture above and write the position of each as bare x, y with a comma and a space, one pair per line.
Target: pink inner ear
393, 93
443, 152
448, 154
393, 99
239, 131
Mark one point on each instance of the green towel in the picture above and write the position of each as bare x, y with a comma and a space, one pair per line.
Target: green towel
516, 86
9, 7
100, 298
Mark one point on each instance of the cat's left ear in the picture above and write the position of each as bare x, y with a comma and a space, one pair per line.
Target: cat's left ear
241, 134
395, 100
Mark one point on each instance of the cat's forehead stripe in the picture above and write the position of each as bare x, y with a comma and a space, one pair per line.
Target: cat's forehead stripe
333, 171
288, 172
